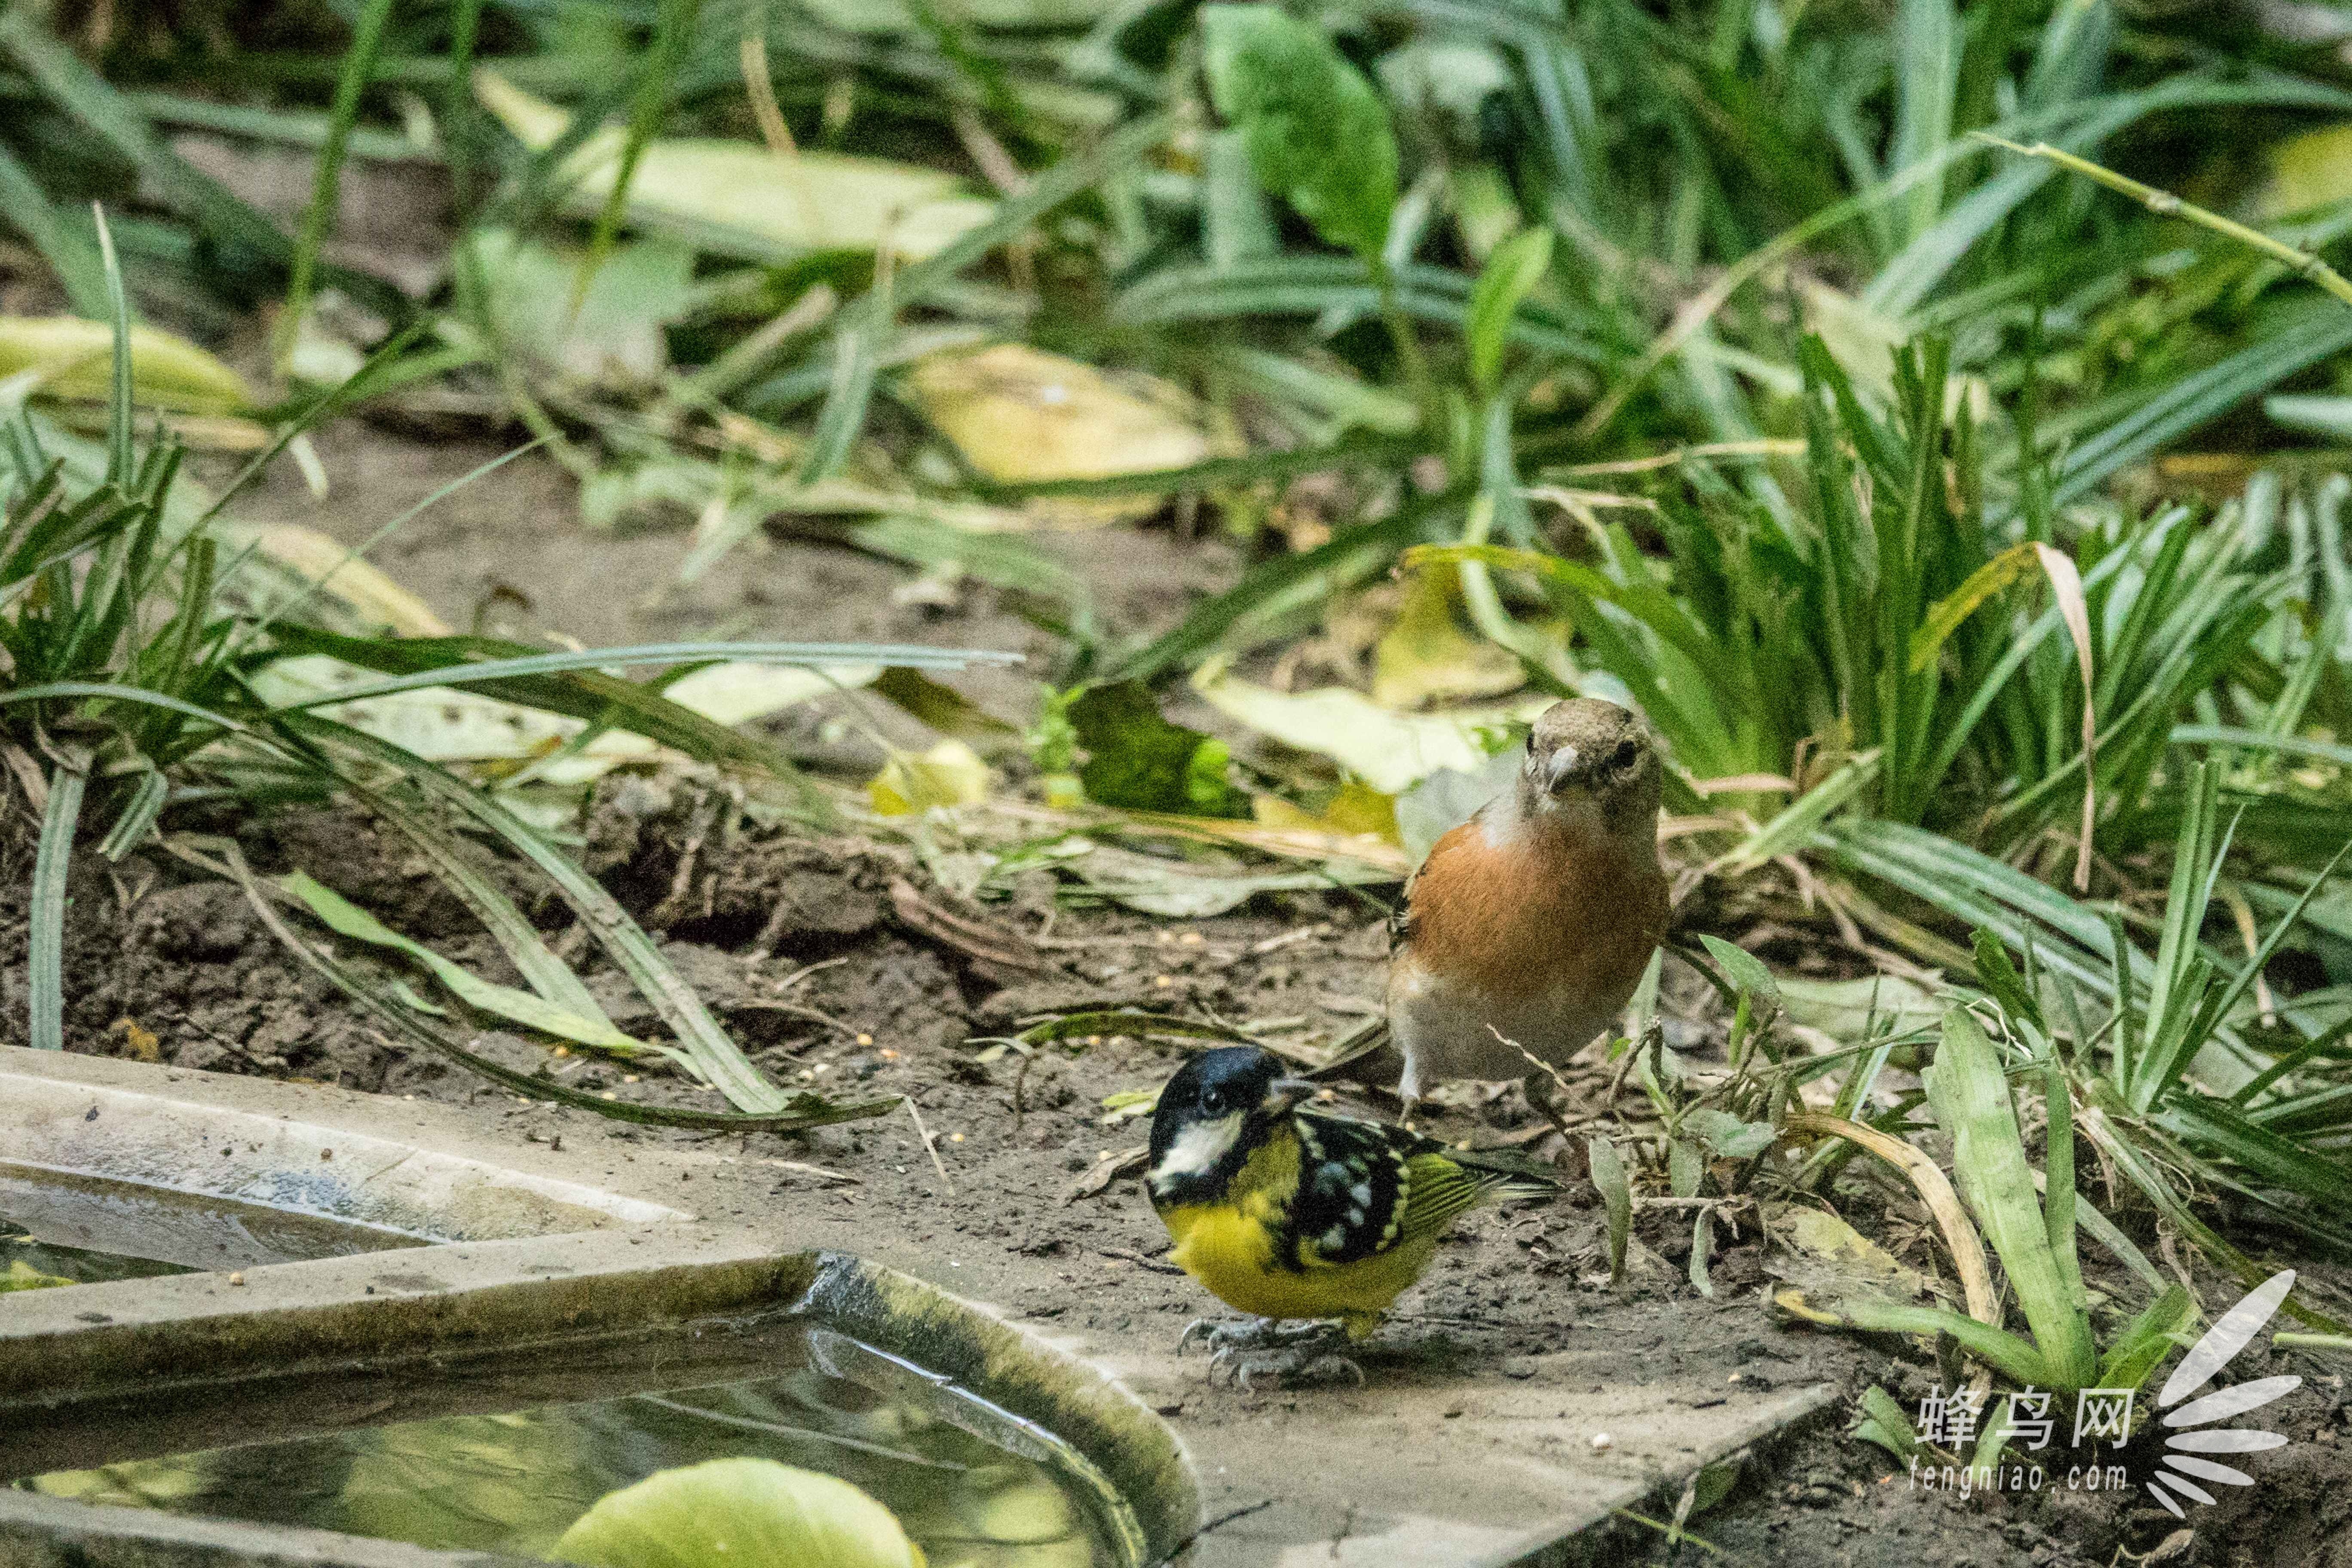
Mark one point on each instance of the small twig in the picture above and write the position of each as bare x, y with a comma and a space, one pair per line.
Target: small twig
801, 1167
1129, 1255
1223, 1520
759, 86
930, 1146
2164, 203
804, 971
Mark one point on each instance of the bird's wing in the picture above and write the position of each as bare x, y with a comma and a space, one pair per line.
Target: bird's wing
1442, 1191
1352, 1190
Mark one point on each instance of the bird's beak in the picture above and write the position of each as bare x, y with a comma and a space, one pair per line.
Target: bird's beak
1560, 767
1285, 1093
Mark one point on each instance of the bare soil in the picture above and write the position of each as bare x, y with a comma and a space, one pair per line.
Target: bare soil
797, 943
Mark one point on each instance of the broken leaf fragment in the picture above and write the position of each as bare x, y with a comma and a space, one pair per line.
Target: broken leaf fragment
1019, 415
949, 773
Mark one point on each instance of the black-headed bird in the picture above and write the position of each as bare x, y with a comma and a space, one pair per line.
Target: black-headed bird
1289, 1214
1534, 921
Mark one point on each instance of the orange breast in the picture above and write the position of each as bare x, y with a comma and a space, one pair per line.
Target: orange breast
1545, 909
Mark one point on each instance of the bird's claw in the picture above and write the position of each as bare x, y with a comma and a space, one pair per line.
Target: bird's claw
1250, 1334
1265, 1348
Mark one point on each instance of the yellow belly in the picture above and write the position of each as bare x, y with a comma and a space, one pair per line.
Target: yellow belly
1231, 1251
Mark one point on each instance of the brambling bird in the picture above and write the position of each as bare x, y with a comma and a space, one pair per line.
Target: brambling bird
1289, 1214
1535, 919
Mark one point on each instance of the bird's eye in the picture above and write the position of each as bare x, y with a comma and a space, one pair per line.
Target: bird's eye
1213, 1101
1624, 755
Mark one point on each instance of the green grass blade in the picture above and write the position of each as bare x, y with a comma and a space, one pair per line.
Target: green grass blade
2299, 340
2146, 1340
77, 89
673, 34
138, 813
45, 980
858, 338
719, 1060
2263, 741
1926, 82
2011, 1355
25, 208
544, 973
805, 1110
120, 411
1970, 1096
318, 219
442, 661
346, 919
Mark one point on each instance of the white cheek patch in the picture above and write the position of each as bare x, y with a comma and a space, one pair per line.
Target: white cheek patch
1200, 1147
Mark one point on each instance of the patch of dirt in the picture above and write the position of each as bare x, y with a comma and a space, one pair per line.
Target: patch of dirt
805, 947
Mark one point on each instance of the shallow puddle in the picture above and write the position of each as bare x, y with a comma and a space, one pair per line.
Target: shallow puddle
27, 1262
975, 1487
68, 1211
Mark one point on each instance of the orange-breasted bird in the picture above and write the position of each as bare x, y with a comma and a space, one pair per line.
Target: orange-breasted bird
1535, 917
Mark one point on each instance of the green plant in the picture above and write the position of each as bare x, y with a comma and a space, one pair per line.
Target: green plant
1969, 1091
134, 652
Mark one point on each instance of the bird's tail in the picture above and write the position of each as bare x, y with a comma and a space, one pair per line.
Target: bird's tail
1508, 1173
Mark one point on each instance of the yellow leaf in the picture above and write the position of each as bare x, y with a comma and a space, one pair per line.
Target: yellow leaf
738, 198
2313, 170
320, 558
949, 773
74, 359
1426, 656
1357, 810
1019, 415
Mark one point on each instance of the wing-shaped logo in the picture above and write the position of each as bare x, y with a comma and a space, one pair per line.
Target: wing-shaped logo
2185, 1466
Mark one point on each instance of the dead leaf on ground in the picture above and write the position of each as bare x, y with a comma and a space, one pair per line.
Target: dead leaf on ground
143, 1046
1097, 1179
1019, 415
738, 198
972, 937
71, 358
1428, 656
1389, 751
949, 773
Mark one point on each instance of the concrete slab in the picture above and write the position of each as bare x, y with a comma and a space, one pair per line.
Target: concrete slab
1420, 1470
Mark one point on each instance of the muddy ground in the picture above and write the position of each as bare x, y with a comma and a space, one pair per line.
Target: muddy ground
799, 946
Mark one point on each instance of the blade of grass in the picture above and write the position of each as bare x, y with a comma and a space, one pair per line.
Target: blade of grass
120, 411
344, 918
859, 336
318, 219
813, 1110
1970, 1096
139, 815
717, 1057
1608, 1168
72, 258
672, 36
45, 981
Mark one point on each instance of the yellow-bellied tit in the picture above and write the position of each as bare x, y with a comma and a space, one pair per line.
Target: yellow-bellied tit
1287, 1214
